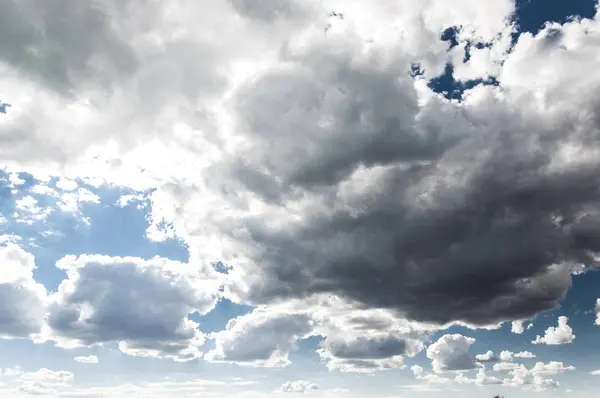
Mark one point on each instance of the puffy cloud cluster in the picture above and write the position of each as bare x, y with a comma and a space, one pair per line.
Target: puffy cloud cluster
298, 386
451, 352
509, 356
141, 305
561, 334
597, 310
260, 338
537, 378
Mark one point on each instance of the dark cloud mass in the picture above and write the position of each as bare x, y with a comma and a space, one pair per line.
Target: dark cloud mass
468, 216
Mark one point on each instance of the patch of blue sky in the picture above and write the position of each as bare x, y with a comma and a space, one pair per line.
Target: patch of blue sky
532, 15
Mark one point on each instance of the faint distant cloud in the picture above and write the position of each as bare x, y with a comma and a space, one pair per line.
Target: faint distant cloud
89, 359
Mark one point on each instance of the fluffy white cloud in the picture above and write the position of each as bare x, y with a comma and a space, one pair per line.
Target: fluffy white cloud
562, 334
451, 352
88, 359
260, 338
487, 357
550, 369
22, 299
481, 379
597, 310
508, 356
141, 305
298, 386
534, 378
595, 372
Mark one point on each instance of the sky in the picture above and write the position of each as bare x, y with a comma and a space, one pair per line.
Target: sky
333, 198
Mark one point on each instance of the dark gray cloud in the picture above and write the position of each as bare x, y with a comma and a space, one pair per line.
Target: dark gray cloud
366, 348
62, 43
443, 213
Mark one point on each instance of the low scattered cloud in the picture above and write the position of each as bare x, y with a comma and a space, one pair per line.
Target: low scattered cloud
90, 359
562, 334
299, 386
142, 305
451, 352
260, 338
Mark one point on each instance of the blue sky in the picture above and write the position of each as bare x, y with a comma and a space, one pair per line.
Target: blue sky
247, 199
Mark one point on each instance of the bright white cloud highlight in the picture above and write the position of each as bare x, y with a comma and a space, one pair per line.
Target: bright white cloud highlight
562, 334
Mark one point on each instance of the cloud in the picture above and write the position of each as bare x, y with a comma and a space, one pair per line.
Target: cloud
508, 356
45, 381
142, 305
451, 352
260, 338
22, 299
313, 163
562, 334
535, 377
487, 357
550, 369
597, 310
595, 372
89, 359
298, 386
481, 379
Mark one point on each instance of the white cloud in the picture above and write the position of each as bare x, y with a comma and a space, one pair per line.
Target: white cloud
451, 352
142, 305
487, 357
595, 372
550, 369
518, 327
481, 379
562, 334
508, 356
597, 310
23, 300
88, 359
298, 386
260, 338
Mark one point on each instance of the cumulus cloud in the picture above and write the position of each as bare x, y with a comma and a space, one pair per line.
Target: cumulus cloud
90, 359
298, 386
518, 327
536, 378
487, 357
312, 163
451, 352
141, 305
562, 334
481, 379
260, 338
508, 356
597, 310
22, 299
